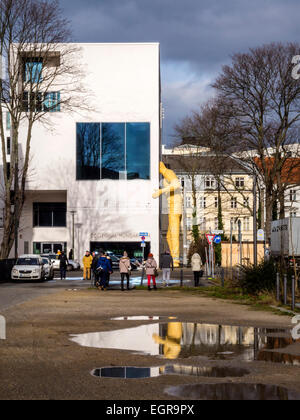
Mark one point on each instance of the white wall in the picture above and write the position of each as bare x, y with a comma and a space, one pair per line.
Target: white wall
123, 80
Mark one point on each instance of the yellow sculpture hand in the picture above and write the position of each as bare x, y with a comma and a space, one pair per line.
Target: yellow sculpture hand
158, 339
157, 194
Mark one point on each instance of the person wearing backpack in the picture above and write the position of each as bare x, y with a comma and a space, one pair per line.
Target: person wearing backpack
151, 271
125, 269
94, 268
103, 269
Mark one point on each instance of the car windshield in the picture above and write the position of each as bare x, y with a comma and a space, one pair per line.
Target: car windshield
27, 261
45, 261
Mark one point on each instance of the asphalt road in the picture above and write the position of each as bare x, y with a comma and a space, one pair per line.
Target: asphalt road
16, 293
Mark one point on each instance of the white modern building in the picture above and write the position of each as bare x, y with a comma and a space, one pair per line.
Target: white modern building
93, 171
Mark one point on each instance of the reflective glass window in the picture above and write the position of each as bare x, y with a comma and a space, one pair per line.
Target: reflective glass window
138, 150
52, 102
88, 151
33, 70
113, 150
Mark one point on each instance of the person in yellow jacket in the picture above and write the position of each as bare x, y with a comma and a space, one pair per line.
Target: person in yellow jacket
87, 264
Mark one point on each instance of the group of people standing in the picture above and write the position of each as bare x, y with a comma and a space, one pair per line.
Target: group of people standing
99, 266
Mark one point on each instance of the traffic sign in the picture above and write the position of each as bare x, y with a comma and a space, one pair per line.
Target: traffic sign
210, 238
143, 245
143, 238
217, 239
144, 234
218, 232
260, 235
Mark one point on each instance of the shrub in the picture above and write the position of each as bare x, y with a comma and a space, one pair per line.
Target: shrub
254, 280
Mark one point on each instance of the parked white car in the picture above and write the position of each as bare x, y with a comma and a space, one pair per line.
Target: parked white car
54, 259
73, 265
48, 267
28, 267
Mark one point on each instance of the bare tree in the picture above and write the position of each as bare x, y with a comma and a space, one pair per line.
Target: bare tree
41, 76
260, 97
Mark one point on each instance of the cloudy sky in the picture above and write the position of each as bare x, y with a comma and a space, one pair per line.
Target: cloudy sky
197, 37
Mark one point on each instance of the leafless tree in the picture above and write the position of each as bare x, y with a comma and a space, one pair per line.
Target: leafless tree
262, 100
41, 76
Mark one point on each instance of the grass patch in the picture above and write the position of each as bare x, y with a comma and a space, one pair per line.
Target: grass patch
260, 302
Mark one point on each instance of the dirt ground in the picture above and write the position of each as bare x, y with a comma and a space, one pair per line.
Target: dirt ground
38, 360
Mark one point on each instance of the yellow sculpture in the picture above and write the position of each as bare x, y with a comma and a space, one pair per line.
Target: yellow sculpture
172, 188
171, 343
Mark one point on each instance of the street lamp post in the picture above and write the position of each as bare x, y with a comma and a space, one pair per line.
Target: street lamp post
73, 212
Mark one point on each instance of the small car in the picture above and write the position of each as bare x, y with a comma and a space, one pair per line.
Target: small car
73, 265
28, 267
54, 259
48, 266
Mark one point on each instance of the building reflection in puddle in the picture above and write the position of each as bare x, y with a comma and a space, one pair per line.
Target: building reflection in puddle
175, 340
232, 392
129, 372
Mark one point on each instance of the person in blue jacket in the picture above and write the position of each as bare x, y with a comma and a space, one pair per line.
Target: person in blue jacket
104, 270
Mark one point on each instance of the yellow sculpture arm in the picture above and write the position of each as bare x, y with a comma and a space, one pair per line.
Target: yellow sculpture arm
158, 193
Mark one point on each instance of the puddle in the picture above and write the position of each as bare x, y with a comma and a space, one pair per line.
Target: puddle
209, 372
141, 318
174, 340
153, 372
126, 372
233, 392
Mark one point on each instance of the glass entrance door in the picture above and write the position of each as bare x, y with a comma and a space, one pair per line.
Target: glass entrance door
52, 248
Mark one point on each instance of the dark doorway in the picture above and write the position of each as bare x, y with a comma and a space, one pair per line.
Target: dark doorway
133, 249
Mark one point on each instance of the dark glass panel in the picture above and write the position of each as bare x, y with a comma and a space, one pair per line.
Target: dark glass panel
45, 216
49, 214
138, 150
88, 151
113, 150
60, 215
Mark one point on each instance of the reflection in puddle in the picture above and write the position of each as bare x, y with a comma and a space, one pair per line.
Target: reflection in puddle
126, 372
142, 318
230, 391
182, 340
129, 372
210, 372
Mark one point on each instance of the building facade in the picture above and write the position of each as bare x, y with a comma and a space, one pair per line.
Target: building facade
233, 187
92, 172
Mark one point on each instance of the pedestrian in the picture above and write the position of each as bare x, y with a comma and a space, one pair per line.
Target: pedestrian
103, 268
94, 273
151, 271
166, 265
71, 254
87, 263
111, 269
63, 263
197, 268
125, 270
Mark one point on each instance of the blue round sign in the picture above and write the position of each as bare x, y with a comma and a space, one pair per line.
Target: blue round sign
217, 239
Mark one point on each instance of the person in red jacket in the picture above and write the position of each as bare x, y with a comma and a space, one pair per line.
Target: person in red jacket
151, 270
